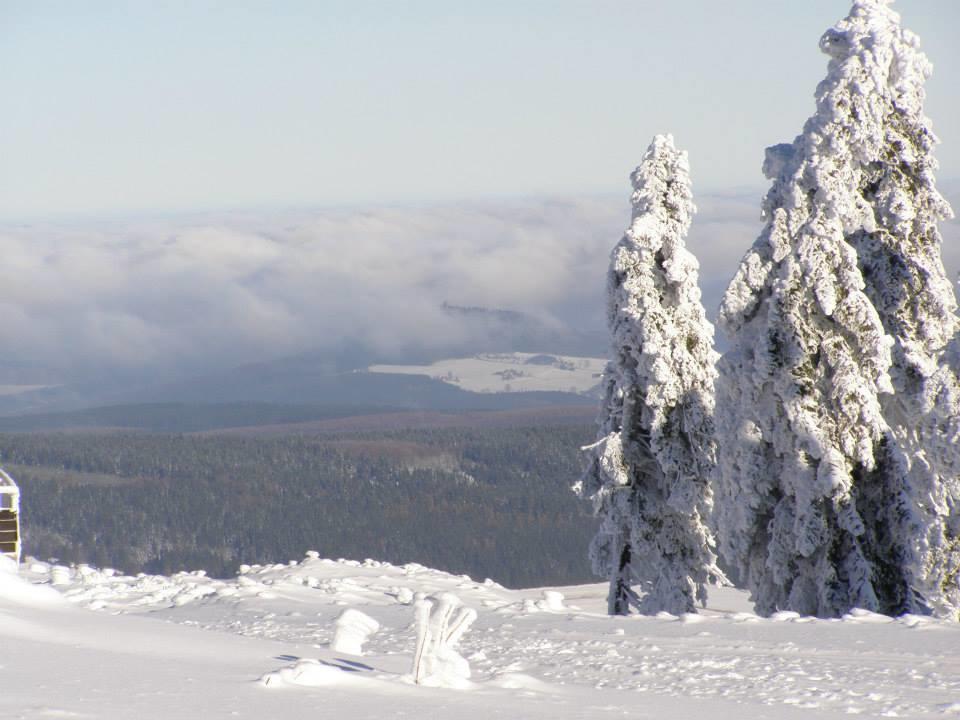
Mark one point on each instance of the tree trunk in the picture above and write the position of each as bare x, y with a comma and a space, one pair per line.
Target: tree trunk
618, 602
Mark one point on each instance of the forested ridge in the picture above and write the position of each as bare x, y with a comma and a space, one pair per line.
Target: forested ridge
486, 502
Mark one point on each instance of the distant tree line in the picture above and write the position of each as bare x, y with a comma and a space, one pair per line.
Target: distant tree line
488, 503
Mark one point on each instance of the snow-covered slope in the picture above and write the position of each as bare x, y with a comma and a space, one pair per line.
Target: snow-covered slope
510, 372
81, 642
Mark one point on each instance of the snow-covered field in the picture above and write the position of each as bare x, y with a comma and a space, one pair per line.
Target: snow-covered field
88, 643
510, 372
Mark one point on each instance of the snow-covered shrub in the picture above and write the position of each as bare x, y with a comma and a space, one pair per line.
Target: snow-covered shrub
649, 472
833, 492
441, 621
353, 629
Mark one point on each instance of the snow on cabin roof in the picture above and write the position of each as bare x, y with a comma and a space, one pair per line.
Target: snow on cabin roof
7, 485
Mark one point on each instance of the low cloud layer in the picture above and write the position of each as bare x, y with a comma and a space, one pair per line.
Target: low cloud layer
190, 295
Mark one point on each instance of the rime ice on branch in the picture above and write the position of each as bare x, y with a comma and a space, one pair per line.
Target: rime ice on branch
649, 472
835, 492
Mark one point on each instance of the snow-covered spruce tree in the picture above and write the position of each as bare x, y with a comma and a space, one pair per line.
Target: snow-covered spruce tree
649, 472
892, 217
827, 498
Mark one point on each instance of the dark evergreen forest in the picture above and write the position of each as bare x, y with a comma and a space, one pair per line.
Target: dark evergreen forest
491, 502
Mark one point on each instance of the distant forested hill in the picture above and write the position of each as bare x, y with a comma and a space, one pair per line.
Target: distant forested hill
260, 418
490, 502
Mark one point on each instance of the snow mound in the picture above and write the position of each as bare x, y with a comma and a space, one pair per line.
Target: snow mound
353, 630
859, 615
519, 681
307, 672
552, 601
345, 582
15, 589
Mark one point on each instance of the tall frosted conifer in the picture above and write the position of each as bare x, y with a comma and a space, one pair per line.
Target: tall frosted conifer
892, 221
649, 471
827, 499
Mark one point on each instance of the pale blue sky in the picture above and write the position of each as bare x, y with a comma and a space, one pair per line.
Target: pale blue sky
118, 107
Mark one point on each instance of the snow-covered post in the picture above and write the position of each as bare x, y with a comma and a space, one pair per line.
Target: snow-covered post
820, 503
649, 472
353, 629
440, 622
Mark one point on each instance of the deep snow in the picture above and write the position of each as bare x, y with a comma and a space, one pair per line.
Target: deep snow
82, 642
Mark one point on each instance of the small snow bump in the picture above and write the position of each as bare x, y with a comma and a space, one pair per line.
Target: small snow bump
61, 575
859, 615
518, 681
551, 601
306, 673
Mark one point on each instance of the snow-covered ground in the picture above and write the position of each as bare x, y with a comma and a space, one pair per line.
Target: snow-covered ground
88, 643
510, 372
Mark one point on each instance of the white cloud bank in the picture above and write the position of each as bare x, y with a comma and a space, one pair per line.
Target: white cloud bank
193, 294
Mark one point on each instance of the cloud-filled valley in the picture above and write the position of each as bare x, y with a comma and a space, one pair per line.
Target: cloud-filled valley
173, 297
